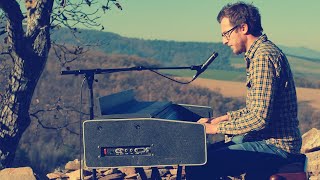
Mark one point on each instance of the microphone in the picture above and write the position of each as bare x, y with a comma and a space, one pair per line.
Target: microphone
206, 64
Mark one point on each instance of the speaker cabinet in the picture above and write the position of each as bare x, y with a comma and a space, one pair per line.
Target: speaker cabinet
143, 142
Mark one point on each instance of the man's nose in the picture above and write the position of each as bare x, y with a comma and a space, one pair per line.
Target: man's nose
225, 40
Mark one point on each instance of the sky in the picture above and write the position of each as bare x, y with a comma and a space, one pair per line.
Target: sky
293, 23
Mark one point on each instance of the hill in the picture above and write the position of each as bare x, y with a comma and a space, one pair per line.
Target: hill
302, 52
168, 53
304, 62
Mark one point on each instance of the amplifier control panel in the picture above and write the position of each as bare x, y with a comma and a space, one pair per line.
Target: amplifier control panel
125, 151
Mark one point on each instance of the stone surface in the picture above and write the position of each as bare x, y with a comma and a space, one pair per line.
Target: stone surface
74, 175
131, 176
313, 166
56, 175
112, 176
311, 141
111, 171
73, 165
22, 173
314, 178
311, 147
127, 170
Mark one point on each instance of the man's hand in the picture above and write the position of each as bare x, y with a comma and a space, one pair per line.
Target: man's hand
211, 128
211, 124
204, 120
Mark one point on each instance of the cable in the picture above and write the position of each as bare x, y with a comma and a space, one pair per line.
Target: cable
180, 82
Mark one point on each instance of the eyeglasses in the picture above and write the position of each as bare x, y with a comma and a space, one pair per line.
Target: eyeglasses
228, 33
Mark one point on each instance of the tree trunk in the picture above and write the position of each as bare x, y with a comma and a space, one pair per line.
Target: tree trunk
29, 52
14, 111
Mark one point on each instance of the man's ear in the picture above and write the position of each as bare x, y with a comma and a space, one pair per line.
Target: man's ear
244, 28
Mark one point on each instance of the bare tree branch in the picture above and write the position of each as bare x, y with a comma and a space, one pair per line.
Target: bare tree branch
57, 108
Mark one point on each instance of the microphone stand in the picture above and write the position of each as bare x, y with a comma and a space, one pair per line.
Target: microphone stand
136, 68
89, 76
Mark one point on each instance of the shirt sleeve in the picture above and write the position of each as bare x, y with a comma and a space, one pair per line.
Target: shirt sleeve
255, 116
238, 113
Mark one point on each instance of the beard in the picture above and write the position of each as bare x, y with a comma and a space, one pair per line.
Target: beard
237, 49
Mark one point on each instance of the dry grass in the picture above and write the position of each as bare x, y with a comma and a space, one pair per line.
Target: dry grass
237, 89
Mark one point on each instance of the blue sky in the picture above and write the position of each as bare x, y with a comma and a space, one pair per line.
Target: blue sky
292, 23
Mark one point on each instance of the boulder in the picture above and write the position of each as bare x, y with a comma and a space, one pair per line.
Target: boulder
313, 166
22, 173
56, 175
73, 165
311, 141
311, 148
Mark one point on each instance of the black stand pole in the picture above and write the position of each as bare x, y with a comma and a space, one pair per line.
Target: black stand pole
89, 75
179, 172
90, 78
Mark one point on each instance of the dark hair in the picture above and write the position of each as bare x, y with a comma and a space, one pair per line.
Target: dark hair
239, 13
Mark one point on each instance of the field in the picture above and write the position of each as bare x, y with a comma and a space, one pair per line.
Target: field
237, 89
299, 66
231, 83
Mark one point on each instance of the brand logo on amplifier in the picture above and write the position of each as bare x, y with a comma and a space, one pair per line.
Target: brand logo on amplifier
126, 150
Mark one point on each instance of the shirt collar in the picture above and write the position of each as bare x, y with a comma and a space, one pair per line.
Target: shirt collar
253, 48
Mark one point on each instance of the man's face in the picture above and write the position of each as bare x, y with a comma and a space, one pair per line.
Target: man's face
232, 36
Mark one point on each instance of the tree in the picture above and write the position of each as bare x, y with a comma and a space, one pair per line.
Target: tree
27, 47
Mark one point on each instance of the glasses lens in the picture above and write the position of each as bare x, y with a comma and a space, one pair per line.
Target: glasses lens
228, 33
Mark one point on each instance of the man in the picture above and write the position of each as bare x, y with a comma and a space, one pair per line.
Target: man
264, 134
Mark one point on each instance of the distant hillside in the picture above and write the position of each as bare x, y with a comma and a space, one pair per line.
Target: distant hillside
169, 53
302, 52
166, 51
301, 66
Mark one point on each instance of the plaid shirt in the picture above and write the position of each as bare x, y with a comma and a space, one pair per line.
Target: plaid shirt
271, 104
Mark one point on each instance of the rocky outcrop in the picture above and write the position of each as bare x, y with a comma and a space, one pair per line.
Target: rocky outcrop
22, 173
311, 148
72, 172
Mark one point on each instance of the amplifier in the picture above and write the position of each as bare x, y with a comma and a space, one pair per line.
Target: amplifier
143, 142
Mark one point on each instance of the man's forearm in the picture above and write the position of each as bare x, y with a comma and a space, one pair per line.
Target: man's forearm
219, 119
